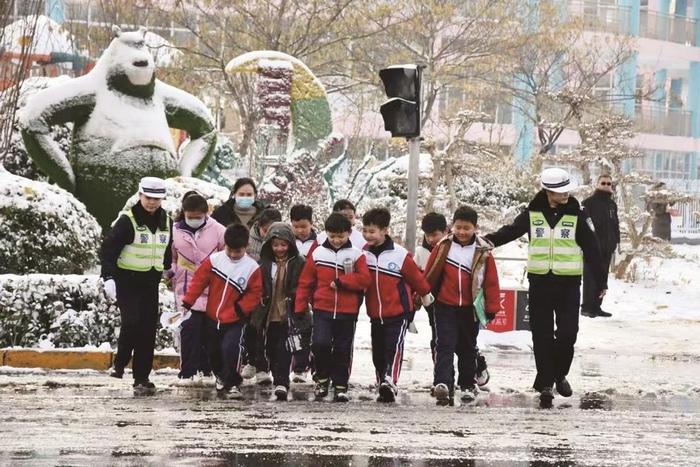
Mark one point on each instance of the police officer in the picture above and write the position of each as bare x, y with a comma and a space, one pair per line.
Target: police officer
561, 237
135, 253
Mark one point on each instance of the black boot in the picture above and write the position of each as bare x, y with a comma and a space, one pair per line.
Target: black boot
603, 314
546, 397
563, 387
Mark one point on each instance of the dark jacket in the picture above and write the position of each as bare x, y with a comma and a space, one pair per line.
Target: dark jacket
585, 238
122, 234
603, 211
226, 214
295, 264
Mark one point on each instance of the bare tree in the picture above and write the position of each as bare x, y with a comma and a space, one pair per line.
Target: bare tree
14, 66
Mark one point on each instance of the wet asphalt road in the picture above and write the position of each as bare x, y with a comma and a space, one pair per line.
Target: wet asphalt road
67, 418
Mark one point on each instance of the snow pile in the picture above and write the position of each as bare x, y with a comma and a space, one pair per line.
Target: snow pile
176, 187
43, 228
48, 311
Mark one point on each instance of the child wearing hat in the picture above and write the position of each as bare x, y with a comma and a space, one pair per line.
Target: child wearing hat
134, 254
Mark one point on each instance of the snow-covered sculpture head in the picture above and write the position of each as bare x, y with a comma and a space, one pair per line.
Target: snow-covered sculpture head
127, 55
122, 117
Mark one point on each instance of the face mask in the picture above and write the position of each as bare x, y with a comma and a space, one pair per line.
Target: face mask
245, 202
195, 223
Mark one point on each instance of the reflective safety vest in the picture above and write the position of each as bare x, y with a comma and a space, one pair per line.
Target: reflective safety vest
554, 249
147, 250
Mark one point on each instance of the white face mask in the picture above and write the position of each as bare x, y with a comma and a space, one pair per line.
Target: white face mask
195, 223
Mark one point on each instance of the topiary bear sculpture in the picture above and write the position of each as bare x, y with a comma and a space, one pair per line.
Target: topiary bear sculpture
121, 117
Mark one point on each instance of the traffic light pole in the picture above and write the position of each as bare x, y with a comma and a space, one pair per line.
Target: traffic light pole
412, 204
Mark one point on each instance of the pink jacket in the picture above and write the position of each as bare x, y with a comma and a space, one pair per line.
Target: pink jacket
189, 251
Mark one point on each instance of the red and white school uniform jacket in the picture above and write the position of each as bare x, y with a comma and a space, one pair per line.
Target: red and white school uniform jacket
356, 238
455, 285
306, 247
325, 265
394, 277
235, 287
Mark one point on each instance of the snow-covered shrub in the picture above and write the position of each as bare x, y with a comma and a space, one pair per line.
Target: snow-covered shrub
63, 311
224, 159
43, 228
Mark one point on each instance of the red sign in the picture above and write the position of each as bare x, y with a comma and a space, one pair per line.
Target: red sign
505, 319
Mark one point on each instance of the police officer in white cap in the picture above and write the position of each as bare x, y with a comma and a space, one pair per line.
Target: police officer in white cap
561, 238
134, 255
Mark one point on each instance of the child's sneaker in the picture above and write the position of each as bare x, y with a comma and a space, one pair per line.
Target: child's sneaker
281, 393
341, 394
219, 384
235, 393
263, 378
321, 389
299, 378
248, 372
387, 392
482, 373
442, 392
144, 387
469, 394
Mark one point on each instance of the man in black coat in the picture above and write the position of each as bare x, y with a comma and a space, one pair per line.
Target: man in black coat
602, 209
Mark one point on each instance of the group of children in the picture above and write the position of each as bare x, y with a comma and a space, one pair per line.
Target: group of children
301, 297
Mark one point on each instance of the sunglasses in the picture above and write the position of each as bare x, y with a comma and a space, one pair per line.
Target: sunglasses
606, 183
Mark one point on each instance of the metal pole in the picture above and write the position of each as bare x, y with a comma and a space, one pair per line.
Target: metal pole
412, 205
413, 169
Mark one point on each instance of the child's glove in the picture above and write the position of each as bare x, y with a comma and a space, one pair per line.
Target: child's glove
427, 300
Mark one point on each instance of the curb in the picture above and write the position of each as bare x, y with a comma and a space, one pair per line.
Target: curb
73, 359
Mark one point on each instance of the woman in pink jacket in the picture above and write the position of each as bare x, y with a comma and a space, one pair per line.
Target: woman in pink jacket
195, 237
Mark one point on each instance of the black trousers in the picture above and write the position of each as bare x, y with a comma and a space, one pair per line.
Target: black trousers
331, 344
138, 307
301, 360
591, 300
554, 349
278, 354
456, 331
254, 349
387, 348
224, 345
193, 354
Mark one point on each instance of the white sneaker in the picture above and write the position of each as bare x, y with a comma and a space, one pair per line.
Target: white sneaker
469, 394
248, 372
299, 378
263, 378
219, 384
442, 392
235, 393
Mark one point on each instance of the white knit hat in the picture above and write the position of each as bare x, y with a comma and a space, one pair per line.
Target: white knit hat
557, 180
153, 187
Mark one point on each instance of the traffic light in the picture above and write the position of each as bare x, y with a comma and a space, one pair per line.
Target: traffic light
401, 113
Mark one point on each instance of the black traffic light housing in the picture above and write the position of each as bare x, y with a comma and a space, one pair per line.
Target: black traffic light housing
401, 113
